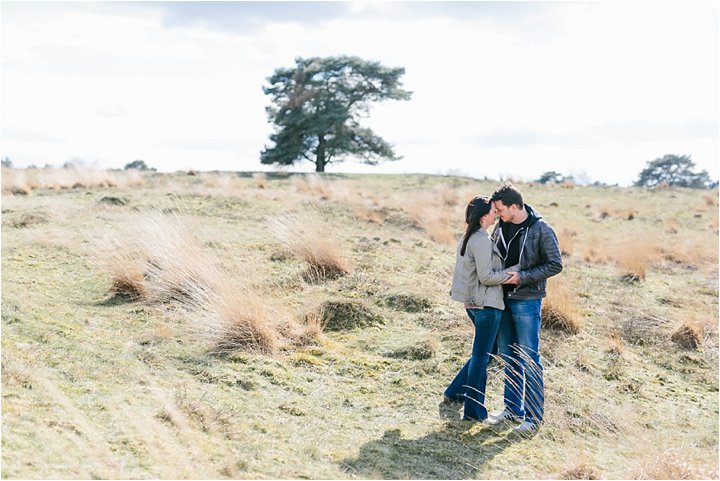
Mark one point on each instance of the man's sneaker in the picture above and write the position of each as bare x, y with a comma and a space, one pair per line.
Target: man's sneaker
527, 429
501, 418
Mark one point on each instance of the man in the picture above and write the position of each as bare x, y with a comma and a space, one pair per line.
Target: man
528, 243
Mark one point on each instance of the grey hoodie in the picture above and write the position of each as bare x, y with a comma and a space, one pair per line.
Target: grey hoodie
539, 257
478, 274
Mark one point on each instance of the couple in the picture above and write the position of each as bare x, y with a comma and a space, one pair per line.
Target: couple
500, 278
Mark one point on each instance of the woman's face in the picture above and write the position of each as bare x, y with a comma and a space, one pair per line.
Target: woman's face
489, 218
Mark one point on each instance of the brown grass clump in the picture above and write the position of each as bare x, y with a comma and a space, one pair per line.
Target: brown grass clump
559, 310
312, 184
615, 345
633, 258
420, 351
594, 252
369, 215
235, 318
260, 179
670, 465
449, 196
158, 260
672, 226
645, 329
711, 199
433, 220
687, 335
307, 237
567, 242
581, 471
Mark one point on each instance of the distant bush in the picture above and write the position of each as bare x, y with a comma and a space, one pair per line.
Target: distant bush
138, 165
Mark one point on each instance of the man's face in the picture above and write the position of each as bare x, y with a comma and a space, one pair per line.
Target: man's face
506, 214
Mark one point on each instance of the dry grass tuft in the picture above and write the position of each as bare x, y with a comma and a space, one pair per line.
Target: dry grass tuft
559, 311
158, 260
307, 237
615, 346
312, 184
369, 215
645, 329
687, 335
633, 259
711, 199
672, 226
261, 181
581, 471
567, 242
434, 220
235, 318
424, 349
670, 465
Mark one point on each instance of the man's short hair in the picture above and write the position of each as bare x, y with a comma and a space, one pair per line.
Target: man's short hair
509, 195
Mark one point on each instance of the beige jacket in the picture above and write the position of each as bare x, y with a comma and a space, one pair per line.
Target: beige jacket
479, 273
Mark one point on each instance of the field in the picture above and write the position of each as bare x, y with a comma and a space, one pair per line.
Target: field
225, 325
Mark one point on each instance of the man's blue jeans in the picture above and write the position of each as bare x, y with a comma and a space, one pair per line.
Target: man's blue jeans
469, 383
519, 348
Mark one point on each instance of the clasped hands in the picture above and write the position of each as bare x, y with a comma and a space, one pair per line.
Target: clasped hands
513, 279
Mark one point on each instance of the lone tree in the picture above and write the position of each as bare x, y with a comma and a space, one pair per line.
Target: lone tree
316, 107
675, 170
551, 177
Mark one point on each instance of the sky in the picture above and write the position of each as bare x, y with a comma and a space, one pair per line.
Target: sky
500, 89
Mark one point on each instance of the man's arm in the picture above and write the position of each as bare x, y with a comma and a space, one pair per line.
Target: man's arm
549, 251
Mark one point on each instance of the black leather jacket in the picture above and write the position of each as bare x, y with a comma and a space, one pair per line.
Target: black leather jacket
539, 257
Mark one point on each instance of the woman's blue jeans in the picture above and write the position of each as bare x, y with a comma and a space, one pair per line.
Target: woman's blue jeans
469, 384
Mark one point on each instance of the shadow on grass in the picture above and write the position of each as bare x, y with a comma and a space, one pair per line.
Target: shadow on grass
451, 453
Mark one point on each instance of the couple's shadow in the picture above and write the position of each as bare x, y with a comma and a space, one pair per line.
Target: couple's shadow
456, 451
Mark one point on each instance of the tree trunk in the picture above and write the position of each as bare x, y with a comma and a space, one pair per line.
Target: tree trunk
320, 155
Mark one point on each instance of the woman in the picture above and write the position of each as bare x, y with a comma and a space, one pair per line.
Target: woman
476, 283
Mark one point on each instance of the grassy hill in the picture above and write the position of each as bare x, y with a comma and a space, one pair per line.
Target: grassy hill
227, 326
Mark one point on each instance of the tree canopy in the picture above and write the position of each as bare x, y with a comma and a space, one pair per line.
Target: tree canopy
138, 165
316, 107
674, 170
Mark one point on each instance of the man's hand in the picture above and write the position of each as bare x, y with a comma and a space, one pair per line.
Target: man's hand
514, 279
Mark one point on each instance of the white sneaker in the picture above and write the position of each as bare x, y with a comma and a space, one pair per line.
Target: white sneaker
501, 417
527, 429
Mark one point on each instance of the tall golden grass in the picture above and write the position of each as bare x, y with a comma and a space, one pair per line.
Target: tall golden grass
307, 237
559, 310
157, 259
24, 181
634, 257
670, 465
432, 219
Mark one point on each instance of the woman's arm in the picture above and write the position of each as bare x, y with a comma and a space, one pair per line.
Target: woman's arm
482, 252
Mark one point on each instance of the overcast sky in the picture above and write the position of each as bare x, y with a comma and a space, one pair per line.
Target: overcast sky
500, 88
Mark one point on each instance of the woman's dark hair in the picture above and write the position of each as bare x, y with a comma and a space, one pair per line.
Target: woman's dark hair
478, 207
